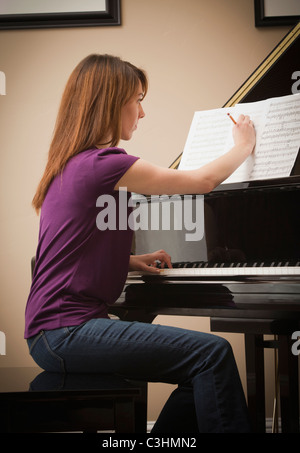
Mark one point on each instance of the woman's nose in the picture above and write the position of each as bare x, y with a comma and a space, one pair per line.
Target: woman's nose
141, 112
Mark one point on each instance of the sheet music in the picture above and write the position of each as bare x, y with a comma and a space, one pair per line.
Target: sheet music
277, 125
208, 134
279, 141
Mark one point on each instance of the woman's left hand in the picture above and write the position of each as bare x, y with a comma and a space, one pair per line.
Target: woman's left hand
149, 261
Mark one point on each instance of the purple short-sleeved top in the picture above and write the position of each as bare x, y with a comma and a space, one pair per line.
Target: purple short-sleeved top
80, 269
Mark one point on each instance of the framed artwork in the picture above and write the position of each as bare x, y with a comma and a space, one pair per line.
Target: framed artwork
25, 14
276, 12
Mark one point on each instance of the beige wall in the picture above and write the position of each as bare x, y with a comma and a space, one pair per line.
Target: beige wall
196, 53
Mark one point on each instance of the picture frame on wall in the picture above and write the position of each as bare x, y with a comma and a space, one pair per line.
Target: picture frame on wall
27, 14
276, 12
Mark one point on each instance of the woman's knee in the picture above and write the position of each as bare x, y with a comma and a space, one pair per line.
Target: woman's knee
223, 345
220, 351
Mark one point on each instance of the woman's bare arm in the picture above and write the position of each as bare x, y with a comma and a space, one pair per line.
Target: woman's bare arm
146, 178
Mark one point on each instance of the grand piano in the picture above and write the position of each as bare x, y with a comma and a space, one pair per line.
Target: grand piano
244, 273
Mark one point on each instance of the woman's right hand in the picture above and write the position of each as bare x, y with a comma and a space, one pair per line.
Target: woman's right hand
244, 133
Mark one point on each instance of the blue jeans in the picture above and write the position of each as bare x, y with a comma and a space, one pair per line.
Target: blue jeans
209, 397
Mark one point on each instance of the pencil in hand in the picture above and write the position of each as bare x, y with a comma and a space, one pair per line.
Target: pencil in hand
232, 119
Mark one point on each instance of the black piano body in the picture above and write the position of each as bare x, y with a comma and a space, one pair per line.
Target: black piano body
248, 256
249, 239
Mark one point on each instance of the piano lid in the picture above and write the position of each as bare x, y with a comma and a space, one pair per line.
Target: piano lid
272, 78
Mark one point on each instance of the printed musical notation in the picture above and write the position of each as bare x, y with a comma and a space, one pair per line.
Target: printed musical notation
277, 125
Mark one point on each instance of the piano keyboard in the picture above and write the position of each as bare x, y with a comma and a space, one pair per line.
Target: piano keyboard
202, 269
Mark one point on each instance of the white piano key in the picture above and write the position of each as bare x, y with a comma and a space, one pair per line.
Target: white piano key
227, 271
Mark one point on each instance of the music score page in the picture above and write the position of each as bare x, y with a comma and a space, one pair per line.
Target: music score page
277, 125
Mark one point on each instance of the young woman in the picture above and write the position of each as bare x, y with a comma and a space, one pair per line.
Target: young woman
81, 269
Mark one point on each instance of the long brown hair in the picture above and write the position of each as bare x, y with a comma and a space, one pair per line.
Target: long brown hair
90, 112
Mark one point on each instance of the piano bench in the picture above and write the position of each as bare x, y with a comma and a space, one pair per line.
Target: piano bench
286, 374
69, 403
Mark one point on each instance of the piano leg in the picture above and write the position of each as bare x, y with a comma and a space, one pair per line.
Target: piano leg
254, 330
255, 382
289, 385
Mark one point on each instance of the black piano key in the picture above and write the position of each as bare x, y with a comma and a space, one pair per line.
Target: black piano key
208, 264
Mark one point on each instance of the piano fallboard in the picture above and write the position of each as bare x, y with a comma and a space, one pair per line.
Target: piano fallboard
259, 223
